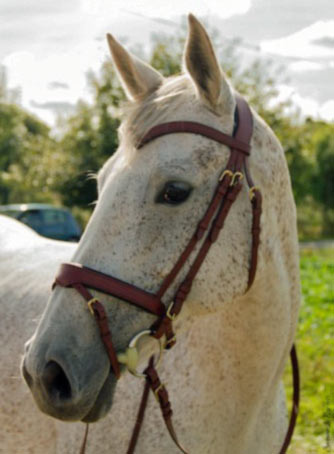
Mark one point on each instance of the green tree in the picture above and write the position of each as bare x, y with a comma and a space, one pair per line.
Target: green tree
323, 181
25, 154
90, 138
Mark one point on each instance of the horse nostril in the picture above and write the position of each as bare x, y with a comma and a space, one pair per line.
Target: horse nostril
55, 381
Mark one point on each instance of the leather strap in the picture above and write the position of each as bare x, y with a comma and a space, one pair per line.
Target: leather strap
245, 125
236, 163
103, 323
217, 225
194, 128
295, 399
84, 441
162, 397
71, 274
153, 382
150, 378
139, 419
256, 200
144, 400
202, 227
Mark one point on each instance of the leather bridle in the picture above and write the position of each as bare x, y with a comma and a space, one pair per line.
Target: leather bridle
206, 233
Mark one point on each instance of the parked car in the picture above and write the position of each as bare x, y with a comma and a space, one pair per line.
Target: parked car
47, 220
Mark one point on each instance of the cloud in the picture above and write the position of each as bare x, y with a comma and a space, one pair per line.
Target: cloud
273, 19
309, 106
317, 84
48, 45
36, 7
168, 9
304, 43
58, 107
306, 65
326, 41
327, 110
55, 85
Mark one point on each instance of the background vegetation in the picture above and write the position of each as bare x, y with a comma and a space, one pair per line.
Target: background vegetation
37, 165
315, 341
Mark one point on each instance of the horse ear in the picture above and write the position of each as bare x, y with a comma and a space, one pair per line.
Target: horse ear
138, 78
202, 65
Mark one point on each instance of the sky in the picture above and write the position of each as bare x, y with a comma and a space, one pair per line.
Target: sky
48, 46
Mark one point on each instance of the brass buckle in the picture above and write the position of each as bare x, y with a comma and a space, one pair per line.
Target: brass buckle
90, 303
237, 176
169, 341
159, 388
171, 317
226, 172
130, 357
251, 192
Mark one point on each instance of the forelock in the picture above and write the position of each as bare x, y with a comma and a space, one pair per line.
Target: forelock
142, 115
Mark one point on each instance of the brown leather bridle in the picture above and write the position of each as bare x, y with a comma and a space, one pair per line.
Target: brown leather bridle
229, 185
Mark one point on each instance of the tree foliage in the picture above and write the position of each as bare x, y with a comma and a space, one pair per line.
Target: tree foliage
27, 156
90, 138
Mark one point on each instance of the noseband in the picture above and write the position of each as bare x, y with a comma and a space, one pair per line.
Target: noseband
206, 233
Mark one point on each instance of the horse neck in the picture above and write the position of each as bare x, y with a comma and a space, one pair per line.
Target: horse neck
219, 379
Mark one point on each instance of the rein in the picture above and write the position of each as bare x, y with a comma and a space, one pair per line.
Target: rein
228, 187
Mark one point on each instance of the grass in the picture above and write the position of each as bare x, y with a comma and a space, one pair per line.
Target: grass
314, 433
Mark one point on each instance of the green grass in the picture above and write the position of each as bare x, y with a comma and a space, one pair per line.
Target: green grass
315, 343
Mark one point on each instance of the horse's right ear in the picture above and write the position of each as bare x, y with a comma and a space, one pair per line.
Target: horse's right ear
138, 78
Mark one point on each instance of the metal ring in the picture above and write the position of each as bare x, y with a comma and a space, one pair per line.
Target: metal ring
131, 356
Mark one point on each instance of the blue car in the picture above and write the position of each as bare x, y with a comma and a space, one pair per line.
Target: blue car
47, 220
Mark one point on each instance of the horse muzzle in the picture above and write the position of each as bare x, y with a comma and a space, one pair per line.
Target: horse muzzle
58, 394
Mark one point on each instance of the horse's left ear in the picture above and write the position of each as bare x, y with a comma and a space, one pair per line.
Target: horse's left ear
138, 78
202, 65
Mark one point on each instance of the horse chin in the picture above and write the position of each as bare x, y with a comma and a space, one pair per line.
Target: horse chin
103, 401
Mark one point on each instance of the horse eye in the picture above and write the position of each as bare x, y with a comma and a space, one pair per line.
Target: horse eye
174, 192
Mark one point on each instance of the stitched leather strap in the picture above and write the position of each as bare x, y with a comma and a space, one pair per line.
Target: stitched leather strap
217, 225
84, 441
202, 227
143, 404
256, 201
102, 321
139, 419
71, 274
295, 399
194, 128
161, 395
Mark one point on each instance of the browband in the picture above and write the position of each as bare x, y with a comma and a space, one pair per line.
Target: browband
194, 128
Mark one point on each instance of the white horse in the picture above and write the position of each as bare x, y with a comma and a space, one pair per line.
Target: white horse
27, 266
224, 375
